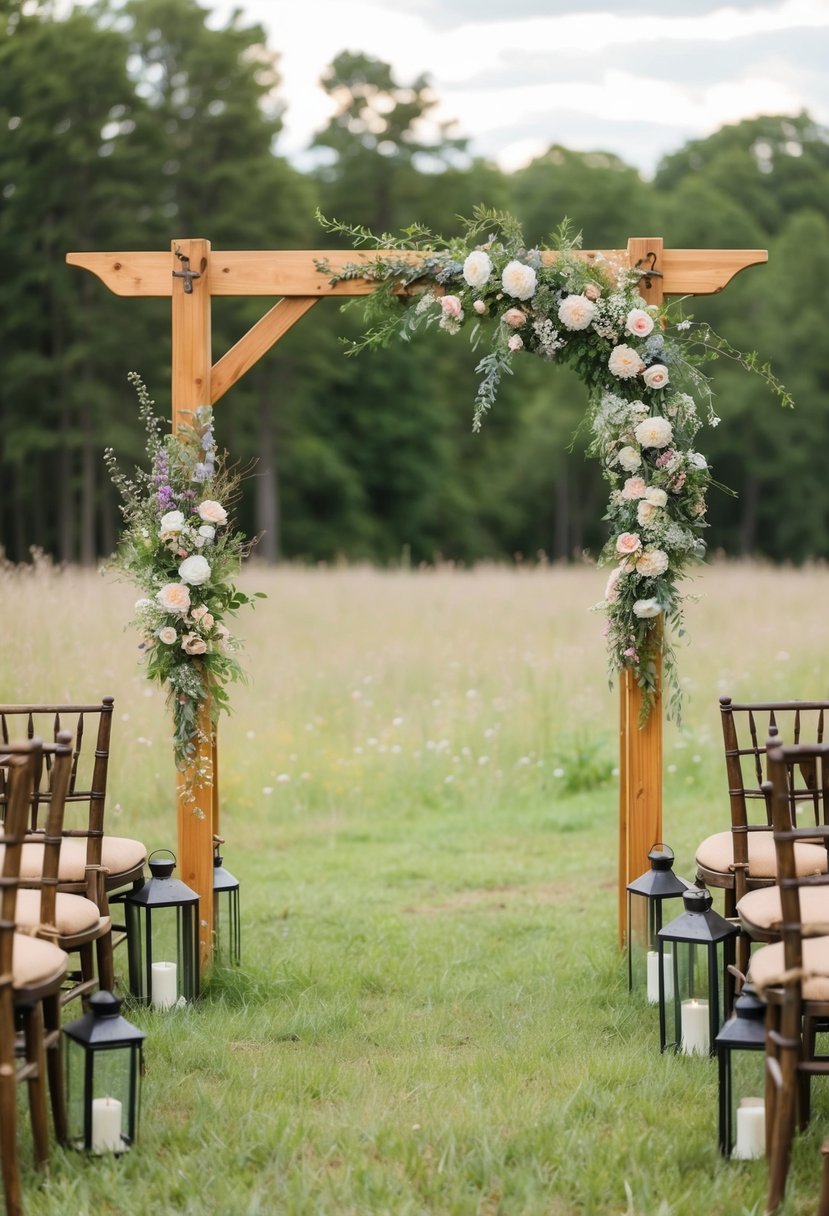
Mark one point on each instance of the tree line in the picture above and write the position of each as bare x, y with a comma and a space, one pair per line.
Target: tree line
128, 125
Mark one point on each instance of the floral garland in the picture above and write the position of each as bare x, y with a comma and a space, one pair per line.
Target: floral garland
180, 548
586, 312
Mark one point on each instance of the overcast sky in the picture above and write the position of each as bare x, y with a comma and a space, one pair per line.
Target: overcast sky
634, 77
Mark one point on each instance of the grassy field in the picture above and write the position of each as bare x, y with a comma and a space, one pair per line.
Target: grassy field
419, 799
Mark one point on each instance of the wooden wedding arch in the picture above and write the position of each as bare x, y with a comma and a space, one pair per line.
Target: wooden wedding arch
190, 274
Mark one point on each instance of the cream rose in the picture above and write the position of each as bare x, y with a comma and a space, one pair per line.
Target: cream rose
647, 608
480, 307
627, 543
656, 376
515, 343
167, 635
211, 512
477, 268
652, 563
192, 644
170, 524
656, 497
629, 459
633, 488
654, 432
592, 291
518, 280
174, 597
576, 312
639, 323
625, 362
514, 317
646, 513
194, 570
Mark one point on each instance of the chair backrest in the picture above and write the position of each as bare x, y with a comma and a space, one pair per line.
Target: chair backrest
747, 727
786, 766
20, 766
85, 798
56, 758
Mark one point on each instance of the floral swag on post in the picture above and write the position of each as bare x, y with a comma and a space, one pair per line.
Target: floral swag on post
180, 548
638, 362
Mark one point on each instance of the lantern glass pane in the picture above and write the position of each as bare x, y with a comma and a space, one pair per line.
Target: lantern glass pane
227, 926
92, 1075
747, 1094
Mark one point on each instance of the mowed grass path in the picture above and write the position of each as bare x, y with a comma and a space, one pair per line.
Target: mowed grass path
431, 1016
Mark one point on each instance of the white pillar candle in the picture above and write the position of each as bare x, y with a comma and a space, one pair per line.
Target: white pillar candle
695, 1036
751, 1129
106, 1126
653, 976
163, 985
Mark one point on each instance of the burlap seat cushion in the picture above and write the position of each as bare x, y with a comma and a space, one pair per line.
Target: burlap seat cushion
35, 961
717, 853
760, 909
768, 967
73, 913
119, 855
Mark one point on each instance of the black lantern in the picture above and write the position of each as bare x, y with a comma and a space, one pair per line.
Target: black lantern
742, 1063
162, 935
691, 1003
646, 895
103, 1077
227, 930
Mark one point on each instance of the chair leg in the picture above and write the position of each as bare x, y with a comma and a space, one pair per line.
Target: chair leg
804, 1088
9, 1161
823, 1206
36, 1058
783, 1072
54, 1065
106, 968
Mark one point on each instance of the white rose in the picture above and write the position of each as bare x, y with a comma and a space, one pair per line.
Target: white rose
656, 497
174, 597
655, 376
696, 460
646, 513
652, 563
519, 280
576, 312
639, 322
171, 523
477, 268
207, 531
167, 635
142, 603
629, 459
194, 570
625, 362
647, 608
212, 512
654, 432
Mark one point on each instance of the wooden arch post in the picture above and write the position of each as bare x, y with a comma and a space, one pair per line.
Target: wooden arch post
190, 274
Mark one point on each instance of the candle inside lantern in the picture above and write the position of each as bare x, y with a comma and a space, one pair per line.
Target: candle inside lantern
751, 1129
106, 1126
695, 1034
163, 985
653, 976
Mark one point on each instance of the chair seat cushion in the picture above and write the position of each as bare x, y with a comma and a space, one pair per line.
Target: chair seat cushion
119, 855
35, 961
717, 853
73, 913
768, 966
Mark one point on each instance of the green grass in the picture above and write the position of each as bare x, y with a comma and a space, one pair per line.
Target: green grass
418, 799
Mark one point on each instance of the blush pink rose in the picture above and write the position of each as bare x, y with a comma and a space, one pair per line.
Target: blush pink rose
479, 307
452, 307
516, 342
192, 644
633, 488
211, 512
639, 322
627, 543
174, 597
514, 317
592, 292
625, 362
656, 376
